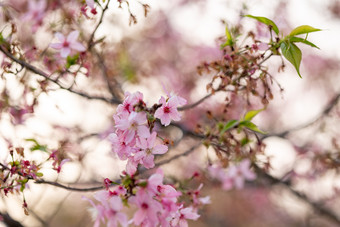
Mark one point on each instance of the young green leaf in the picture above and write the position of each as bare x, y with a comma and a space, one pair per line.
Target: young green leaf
303, 29
230, 40
251, 126
230, 124
301, 40
293, 54
37, 146
251, 114
266, 21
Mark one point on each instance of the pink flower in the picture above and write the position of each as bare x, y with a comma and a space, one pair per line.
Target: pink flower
168, 110
147, 209
235, 176
119, 145
109, 208
148, 149
67, 44
132, 125
129, 102
241, 173
90, 3
35, 13
181, 217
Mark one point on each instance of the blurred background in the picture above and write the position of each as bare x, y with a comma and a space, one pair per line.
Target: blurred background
161, 52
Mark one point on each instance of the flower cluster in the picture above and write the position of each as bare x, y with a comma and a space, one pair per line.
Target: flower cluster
157, 205
235, 176
134, 139
15, 174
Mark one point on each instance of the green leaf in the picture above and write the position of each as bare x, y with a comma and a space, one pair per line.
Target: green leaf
301, 40
37, 146
230, 124
71, 60
39, 174
266, 21
251, 114
245, 141
292, 53
251, 126
303, 29
230, 40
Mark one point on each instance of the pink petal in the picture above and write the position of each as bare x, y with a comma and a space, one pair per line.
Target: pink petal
139, 216
116, 203
64, 52
72, 37
122, 219
78, 46
60, 36
90, 3
140, 118
56, 45
151, 139
160, 149
143, 131
148, 161
165, 120
159, 113
239, 182
174, 115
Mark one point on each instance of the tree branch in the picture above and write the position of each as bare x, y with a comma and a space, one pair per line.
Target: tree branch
325, 112
56, 184
316, 206
190, 106
47, 77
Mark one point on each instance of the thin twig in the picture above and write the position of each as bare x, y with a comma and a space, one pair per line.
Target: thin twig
90, 42
325, 112
316, 206
189, 106
178, 156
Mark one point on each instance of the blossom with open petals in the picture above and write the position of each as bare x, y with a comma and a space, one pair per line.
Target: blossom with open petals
67, 44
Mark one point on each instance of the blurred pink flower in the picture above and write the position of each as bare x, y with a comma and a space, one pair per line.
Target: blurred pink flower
67, 44
241, 173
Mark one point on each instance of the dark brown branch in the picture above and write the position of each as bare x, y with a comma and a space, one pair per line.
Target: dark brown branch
325, 112
90, 42
177, 156
47, 77
56, 184
316, 206
190, 106
9, 221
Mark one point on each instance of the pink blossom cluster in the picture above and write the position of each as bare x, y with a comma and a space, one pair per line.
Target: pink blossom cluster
235, 176
157, 205
35, 14
134, 140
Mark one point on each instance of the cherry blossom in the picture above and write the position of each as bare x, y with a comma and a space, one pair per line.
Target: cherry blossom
241, 173
147, 209
35, 13
133, 124
168, 111
148, 149
181, 217
67, 44
234, 176
109, 208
